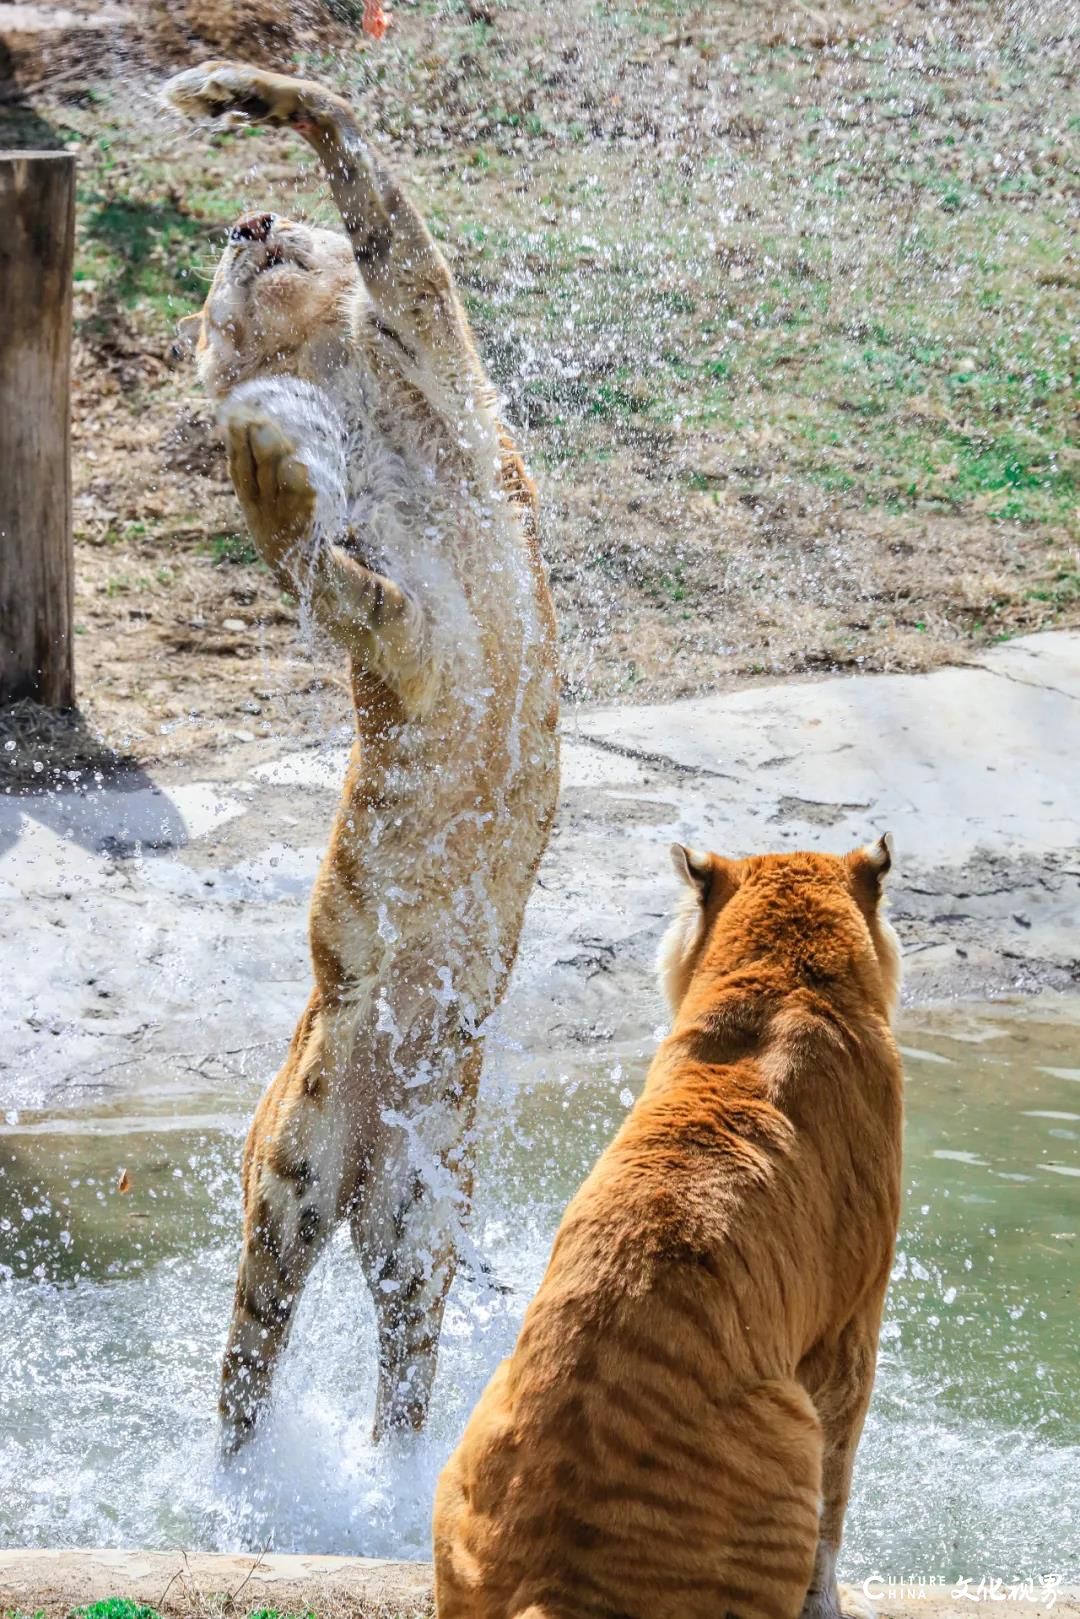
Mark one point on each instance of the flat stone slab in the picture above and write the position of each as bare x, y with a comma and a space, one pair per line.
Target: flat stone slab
955, 762
368, 1588
156, 932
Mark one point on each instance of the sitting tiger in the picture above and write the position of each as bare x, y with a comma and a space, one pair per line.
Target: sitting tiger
673, 1434
382, 490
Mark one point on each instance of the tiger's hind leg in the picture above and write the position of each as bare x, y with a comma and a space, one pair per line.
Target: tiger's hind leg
756, 1469
720, 1523
291, 1181
840, 1378
281, 1243
772, 1500
405, 1228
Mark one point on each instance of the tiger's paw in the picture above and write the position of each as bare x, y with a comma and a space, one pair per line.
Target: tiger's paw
842, 1602
854, 1603
274, 485
239, 93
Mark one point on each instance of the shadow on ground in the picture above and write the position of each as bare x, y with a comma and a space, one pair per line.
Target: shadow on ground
22, 127
50, 759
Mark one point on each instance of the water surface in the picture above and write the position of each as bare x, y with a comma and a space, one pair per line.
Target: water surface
114, 1307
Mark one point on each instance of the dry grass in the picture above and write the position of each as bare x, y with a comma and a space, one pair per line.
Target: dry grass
192, 1604
62, 1585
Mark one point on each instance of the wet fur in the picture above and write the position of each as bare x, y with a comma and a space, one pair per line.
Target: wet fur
673, 1434
381, 488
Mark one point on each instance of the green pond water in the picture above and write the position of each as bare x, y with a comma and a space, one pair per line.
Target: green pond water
114, 1306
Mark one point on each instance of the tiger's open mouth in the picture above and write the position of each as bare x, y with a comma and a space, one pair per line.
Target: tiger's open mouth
258, 248
275, 258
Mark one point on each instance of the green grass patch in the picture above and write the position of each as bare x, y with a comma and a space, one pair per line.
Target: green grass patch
115, 1608
234, 550
141, 251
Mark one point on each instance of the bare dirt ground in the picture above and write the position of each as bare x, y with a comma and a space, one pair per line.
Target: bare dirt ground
781, 298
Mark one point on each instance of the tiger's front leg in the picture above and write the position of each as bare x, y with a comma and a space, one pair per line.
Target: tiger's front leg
288, 508
406, 275
274, 487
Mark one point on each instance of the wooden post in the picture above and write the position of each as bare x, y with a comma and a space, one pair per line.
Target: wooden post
37, 244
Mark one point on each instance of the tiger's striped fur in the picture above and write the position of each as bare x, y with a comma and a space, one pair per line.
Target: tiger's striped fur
673, 1435
384, 492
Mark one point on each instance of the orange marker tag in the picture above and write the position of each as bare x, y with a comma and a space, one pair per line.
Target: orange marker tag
376, 21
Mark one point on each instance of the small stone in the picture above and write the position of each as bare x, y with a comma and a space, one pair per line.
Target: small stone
235, 624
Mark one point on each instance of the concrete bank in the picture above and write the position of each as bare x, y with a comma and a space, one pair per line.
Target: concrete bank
366, 1588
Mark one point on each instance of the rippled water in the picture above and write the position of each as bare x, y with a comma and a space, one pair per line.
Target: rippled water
114, 1307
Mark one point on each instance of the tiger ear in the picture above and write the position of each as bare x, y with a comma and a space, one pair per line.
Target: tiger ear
693, 868
869, 867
